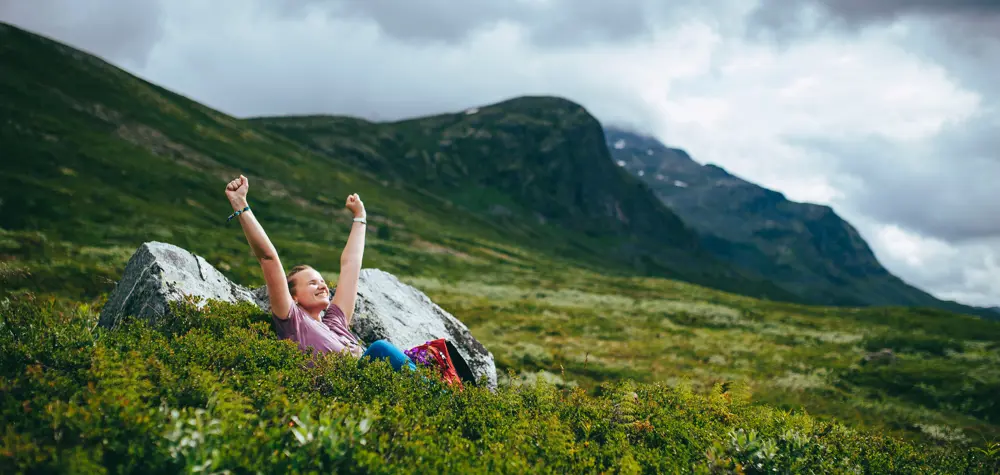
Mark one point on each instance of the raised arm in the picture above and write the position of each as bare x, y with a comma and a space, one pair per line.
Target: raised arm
267, 256
350, 260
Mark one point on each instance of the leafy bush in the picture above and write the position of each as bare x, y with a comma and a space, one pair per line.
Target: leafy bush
212, 390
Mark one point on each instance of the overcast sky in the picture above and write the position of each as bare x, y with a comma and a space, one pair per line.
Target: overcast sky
886, 110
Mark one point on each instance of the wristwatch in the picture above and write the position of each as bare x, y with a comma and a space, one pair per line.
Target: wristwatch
361, 220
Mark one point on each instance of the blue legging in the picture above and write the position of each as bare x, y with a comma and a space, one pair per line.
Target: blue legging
384, 349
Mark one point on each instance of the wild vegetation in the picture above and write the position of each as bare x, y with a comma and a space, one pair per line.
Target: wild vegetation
606, 369
213, 391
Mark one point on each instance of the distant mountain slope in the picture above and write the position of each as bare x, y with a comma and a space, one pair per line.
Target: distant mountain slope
96, 156
530, 162
540, 158
806, 248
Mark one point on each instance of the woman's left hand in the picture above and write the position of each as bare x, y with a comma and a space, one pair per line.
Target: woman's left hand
356, 206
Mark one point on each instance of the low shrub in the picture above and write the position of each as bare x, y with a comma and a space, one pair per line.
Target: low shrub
913, 343
212, 390
935, 384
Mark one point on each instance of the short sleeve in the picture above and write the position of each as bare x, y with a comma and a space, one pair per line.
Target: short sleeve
334, 317
285, 327
336, 321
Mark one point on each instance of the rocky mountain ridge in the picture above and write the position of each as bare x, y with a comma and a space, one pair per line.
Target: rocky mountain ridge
806, 248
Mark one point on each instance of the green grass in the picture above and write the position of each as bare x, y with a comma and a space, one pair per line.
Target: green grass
96, 162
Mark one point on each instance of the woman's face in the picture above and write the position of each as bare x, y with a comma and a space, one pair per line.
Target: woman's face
310, 289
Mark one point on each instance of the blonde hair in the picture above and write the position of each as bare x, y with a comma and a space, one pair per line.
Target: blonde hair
291, 273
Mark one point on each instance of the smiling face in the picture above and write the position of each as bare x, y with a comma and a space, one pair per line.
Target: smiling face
308, 288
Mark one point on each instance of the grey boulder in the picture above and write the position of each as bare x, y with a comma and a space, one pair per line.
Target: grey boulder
160, 273
391, 310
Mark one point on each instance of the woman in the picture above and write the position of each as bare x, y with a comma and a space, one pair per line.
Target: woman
301, 307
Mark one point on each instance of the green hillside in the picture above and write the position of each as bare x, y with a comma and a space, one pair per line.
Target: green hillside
536, 166
609, 366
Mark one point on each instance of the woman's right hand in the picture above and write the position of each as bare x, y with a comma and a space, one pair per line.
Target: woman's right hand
236, 191
274, 275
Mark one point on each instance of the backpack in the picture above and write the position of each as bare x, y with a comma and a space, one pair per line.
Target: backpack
442, 355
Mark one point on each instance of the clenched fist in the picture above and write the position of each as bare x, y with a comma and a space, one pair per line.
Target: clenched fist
236, 191
356, 206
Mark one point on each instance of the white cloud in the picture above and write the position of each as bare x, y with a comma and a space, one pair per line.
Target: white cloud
743, 117
910, 249
964, 272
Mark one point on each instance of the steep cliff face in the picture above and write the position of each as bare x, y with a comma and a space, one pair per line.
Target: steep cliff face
806, 248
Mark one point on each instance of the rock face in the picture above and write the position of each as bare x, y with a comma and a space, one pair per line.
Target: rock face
403, 315
160, 273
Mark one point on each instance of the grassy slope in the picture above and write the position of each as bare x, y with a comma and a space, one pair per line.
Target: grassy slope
96, 162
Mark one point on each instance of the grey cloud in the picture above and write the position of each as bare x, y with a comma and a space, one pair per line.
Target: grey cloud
951, 195
967, 275
958, 46
429, 20
947, 191
551, 23
592, 20
791, 16
127, 31
119, 31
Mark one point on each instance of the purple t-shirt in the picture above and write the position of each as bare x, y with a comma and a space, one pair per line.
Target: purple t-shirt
331, 334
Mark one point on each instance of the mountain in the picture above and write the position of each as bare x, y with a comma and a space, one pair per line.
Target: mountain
535, 158
529, 163
806, 248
